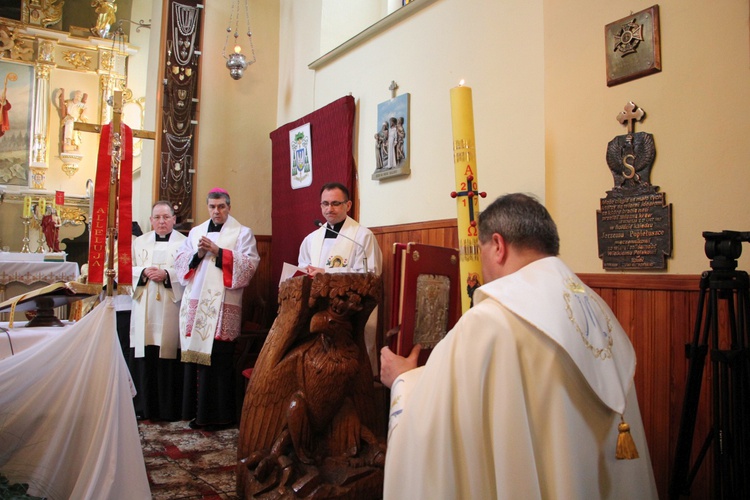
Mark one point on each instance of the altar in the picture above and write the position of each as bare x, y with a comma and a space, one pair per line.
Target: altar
23, 272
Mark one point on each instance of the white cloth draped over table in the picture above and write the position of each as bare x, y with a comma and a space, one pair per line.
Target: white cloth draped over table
30, 272
67, 425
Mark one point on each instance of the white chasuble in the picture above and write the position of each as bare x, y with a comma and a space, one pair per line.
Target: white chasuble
522, 399
156, 309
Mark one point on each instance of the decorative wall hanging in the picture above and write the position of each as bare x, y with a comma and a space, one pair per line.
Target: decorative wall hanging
632, 46
300, 146
180, 102
294, 211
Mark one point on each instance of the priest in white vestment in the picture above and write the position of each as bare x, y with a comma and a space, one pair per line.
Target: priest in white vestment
215, 263
524, 396
352, 248
154, 326
343, 245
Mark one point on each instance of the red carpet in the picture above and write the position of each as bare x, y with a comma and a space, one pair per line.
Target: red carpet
183, 463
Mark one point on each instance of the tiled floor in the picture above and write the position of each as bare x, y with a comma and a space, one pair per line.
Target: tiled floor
183, 463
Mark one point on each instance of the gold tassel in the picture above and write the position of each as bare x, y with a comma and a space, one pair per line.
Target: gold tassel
626, 449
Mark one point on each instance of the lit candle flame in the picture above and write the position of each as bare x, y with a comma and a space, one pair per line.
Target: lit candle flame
461, 83
237, 49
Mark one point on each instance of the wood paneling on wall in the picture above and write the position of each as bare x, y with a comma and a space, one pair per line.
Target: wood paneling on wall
657, 311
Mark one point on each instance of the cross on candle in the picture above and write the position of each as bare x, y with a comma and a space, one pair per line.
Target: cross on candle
470, 193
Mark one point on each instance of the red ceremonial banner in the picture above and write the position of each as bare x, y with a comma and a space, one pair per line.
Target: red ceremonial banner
125, 210
98, 238
123, 206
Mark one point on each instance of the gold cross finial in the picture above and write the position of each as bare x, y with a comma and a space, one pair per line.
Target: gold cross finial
631, 115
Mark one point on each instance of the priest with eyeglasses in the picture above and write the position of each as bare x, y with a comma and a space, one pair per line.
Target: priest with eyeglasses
343, 245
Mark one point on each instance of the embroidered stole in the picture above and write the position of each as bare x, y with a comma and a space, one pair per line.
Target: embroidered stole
211, 299
340, 252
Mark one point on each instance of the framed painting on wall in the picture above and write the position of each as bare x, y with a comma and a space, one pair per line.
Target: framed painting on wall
392, 138
16, 105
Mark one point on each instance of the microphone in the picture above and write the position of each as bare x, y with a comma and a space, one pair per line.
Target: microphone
364, 258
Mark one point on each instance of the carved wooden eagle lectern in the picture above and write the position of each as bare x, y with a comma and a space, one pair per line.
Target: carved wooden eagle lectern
309, 412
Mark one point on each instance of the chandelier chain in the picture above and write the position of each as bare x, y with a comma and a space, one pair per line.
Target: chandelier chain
234, 16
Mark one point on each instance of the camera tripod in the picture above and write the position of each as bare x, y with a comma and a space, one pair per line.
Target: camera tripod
723, 304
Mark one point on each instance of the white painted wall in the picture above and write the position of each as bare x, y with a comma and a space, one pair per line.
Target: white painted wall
497, 47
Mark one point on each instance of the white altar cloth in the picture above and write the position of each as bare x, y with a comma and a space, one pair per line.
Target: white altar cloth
29, 273
67, 425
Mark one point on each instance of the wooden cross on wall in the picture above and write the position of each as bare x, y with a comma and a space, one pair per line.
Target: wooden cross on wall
116, 120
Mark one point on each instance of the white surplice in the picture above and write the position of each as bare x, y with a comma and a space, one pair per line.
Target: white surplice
522, 399
156, 308
240, 260
341, 255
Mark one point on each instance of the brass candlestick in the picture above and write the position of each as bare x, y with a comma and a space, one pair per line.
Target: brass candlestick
40, 237
26, 221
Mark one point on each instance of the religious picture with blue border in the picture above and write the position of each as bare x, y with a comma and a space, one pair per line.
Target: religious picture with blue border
392, 139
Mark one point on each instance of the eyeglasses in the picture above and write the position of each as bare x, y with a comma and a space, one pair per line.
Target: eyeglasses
162, 217
334, 204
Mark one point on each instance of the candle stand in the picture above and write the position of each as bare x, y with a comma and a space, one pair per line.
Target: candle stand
40, 237
26, 221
